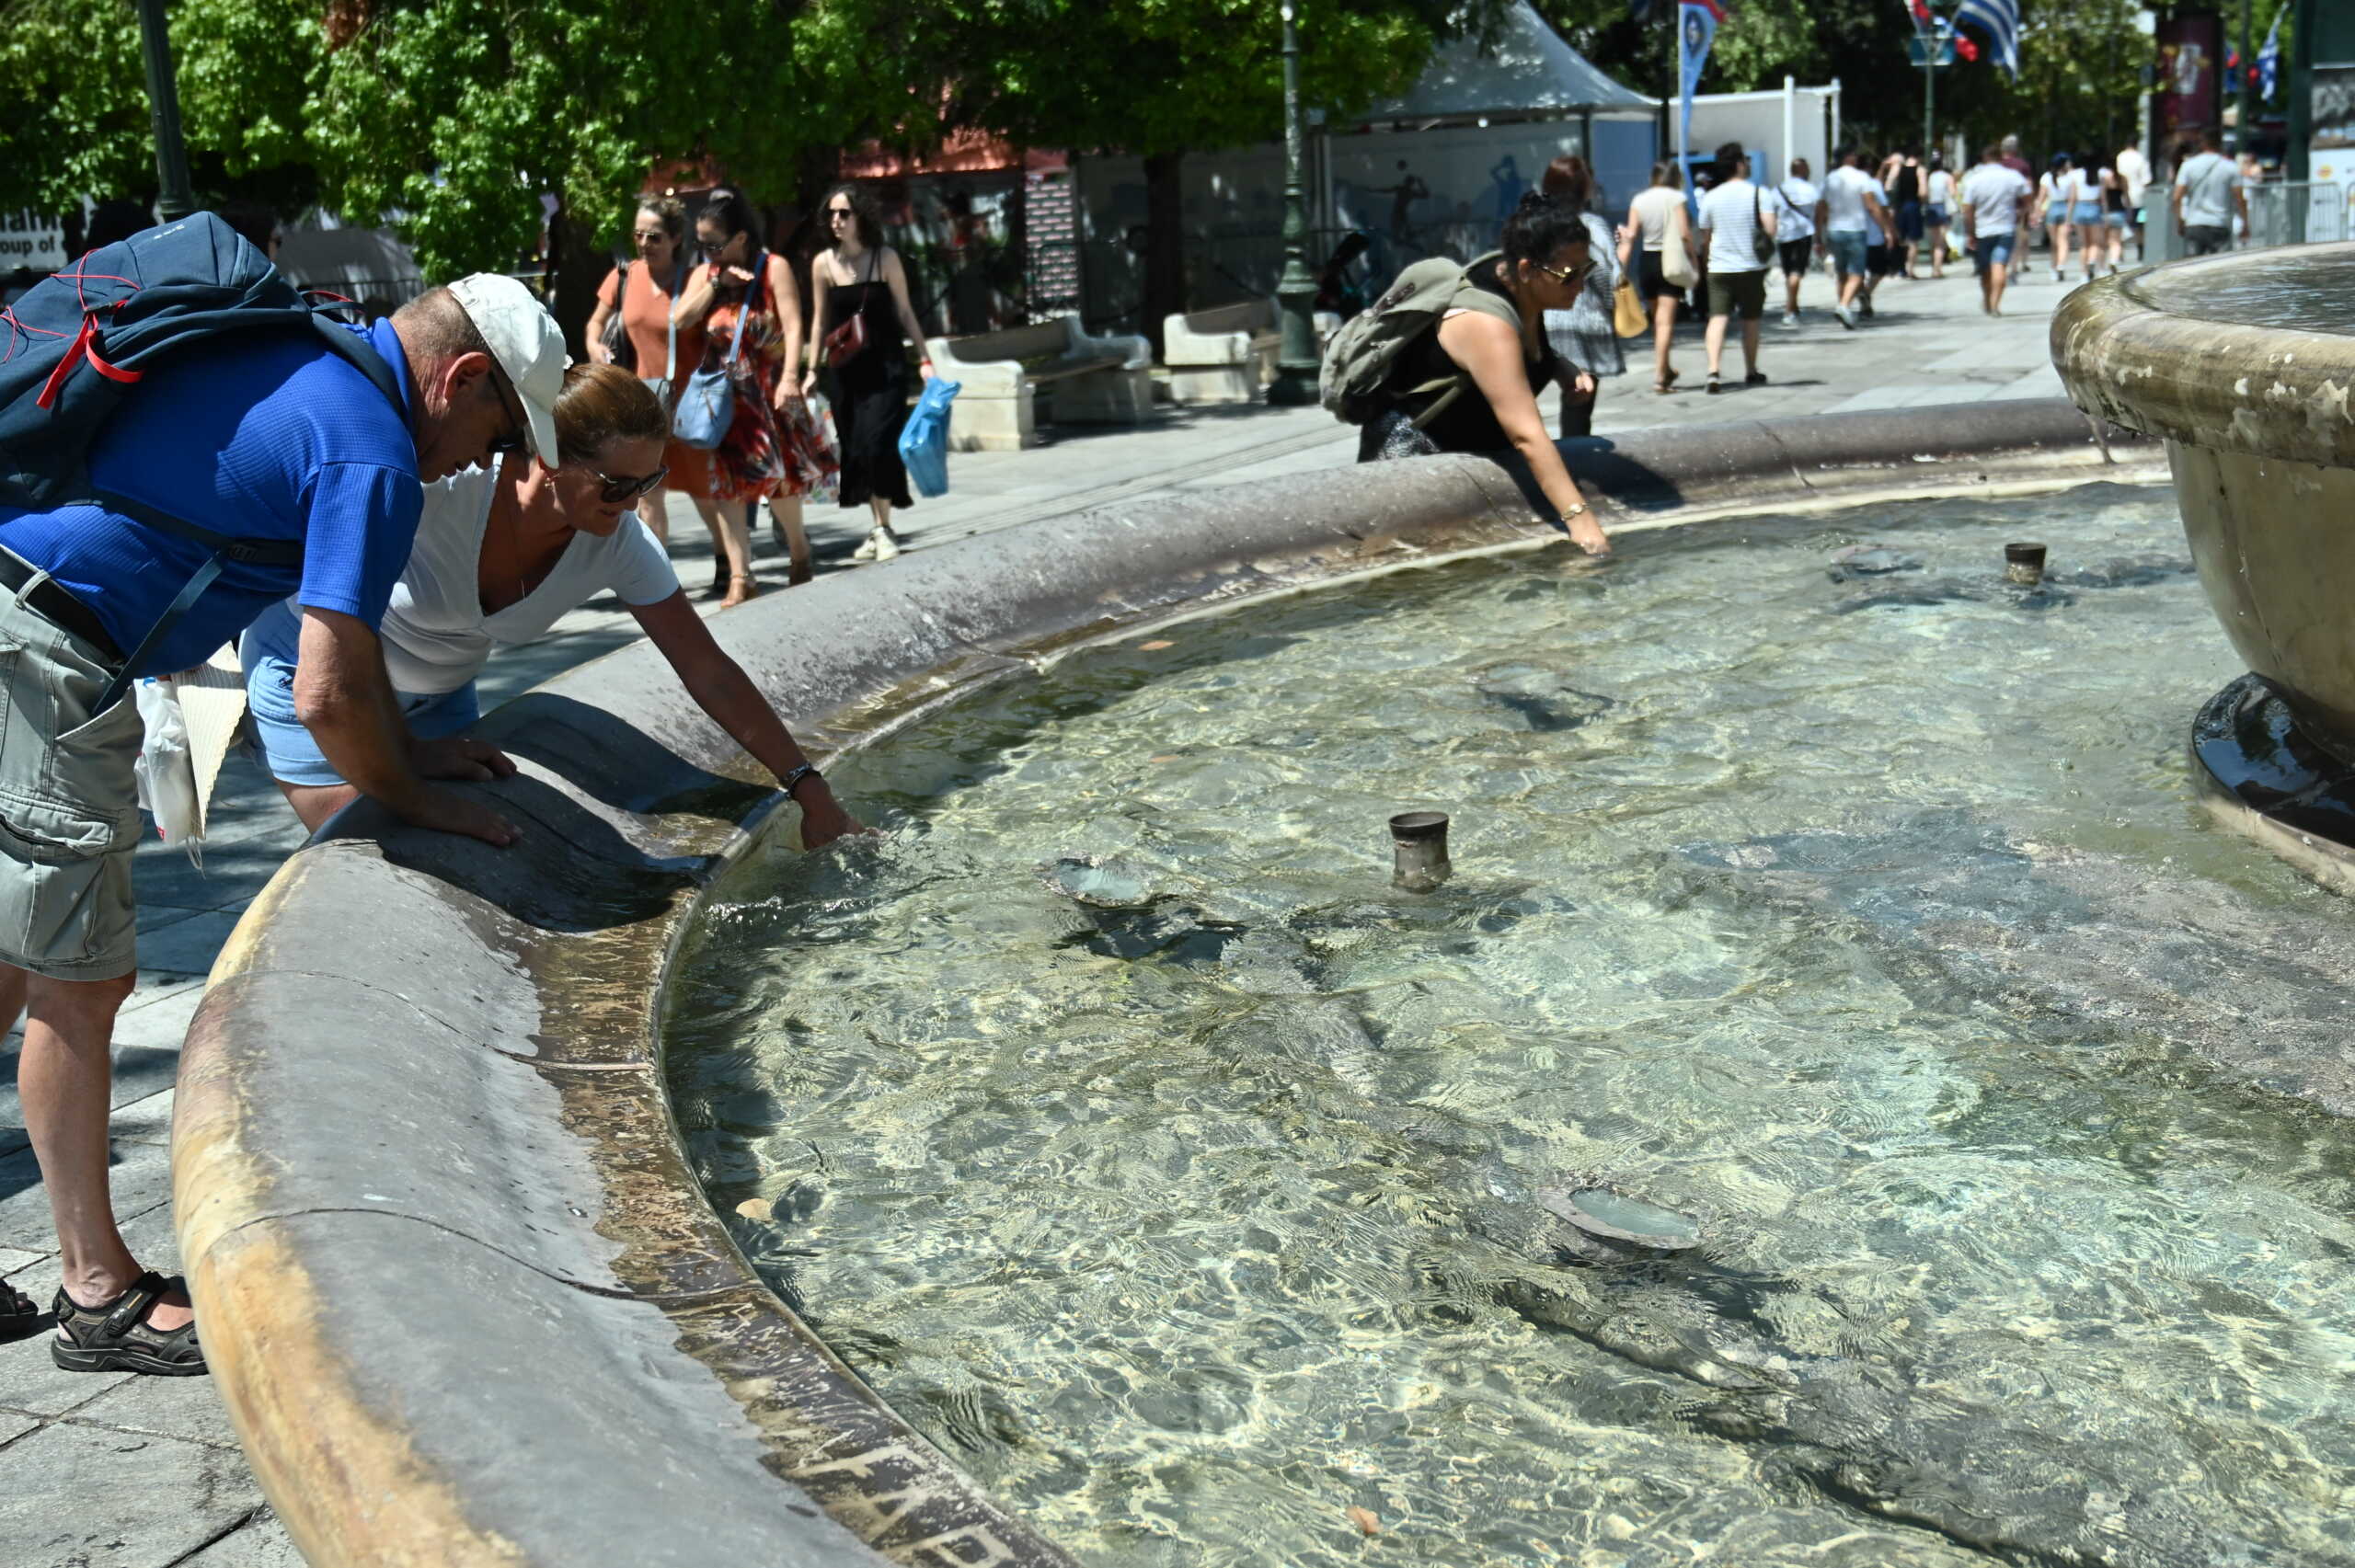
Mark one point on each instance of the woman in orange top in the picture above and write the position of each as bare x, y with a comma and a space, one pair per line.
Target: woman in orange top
664, 285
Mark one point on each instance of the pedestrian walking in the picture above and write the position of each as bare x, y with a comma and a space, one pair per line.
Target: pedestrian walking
1795, 232
310, 451
1937, 211
755, 330
859, 339
2209, 193
2015, 160
661, 299
1657, 241
1900, 176
1853, 213
2056, 207
1738, 228
1994, 198
2109, 246
501, 553
1466, 383
2134, 176
1586, 343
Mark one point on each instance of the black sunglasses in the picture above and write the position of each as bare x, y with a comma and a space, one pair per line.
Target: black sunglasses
628, 486
832, 213
511, 406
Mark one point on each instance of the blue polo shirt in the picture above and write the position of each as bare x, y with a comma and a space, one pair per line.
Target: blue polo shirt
272, 437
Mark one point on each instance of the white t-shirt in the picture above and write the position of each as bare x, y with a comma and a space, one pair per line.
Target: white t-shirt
2135, 172
1941, 189
1845, 195
1799, 198
1727, 214
2207, 182
1992, 193
436, 636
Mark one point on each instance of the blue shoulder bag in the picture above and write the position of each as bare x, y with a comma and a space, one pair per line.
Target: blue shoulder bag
707, 403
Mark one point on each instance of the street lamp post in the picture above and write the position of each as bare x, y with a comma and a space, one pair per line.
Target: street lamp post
1296, 358
175, 200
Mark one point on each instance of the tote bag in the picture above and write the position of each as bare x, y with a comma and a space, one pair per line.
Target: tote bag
1628, 318
707, 403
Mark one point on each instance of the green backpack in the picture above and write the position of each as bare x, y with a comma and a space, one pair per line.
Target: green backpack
1358, 360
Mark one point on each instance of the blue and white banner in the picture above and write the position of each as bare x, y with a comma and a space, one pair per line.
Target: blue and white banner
2001, 21
2268, 61
1696, 29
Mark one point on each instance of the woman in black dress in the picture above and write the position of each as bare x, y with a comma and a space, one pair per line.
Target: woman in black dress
860, 278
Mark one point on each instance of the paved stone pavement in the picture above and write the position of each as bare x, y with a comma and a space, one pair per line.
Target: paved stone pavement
126, 1473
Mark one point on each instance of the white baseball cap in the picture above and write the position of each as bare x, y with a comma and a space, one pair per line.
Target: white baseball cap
522, 337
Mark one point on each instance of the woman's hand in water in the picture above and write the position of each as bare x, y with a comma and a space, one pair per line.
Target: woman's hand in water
823, 820
1588, 536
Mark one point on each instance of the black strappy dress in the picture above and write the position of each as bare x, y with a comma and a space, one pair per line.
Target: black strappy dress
869, 391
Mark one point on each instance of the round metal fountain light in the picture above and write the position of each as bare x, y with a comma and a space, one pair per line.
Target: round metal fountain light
1419, 851
2024, 564
1612, 1226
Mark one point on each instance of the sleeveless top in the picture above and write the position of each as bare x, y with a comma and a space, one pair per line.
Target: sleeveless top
1652, 209
870, 297
1909, 183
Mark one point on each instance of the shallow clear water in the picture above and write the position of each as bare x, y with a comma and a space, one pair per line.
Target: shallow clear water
2291, 289
1853, 904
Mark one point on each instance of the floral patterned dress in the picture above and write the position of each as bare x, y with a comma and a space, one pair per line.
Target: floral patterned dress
764, 454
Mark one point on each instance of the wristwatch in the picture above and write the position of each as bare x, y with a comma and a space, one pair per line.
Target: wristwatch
792, 780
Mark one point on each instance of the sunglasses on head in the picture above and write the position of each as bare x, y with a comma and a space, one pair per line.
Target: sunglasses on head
620, 488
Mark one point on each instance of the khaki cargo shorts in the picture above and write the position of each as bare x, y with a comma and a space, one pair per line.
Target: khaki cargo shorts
69, 808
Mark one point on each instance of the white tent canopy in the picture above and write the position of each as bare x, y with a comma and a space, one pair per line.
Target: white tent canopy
1530, 69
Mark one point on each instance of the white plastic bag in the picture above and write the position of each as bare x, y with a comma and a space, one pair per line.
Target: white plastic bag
166, 769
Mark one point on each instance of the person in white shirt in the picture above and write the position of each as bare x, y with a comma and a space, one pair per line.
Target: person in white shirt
1938, 210
1802, 212
2058, 193
2208, 192
1993, 197
1733, 217
501, 553
1852, 212
2134, 171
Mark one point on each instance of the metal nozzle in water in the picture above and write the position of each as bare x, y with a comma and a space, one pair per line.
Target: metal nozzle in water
2024, 564
1419, 845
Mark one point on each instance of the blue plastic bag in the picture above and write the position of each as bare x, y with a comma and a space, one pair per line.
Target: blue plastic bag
924, 440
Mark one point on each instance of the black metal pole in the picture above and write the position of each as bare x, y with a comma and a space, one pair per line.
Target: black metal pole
177, 200
2246, 124
1296, 356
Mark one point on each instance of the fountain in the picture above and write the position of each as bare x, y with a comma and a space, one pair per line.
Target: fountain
468, 1299
2243, 365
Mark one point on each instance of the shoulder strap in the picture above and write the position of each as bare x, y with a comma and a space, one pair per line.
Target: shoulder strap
671, 346
744, 306
363, 356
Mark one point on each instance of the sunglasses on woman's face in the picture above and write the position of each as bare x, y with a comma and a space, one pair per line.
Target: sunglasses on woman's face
620, 488
1574, 276
836, 214
713, 247
650, 236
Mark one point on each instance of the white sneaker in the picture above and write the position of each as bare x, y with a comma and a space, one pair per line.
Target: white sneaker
866, 552
881, 546
1790, 318
1847, 314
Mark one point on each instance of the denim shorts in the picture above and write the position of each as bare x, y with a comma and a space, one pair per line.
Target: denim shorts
1848, 251
289, 753
1991, 250
2086, 212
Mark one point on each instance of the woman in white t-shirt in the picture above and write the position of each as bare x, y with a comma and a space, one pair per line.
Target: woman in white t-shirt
1937, 211
501, 554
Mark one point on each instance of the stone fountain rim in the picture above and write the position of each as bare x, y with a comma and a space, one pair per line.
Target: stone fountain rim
2267, 391
428, 1191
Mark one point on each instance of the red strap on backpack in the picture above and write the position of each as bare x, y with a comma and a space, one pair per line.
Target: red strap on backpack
86, 347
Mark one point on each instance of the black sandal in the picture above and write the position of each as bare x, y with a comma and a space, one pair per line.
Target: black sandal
19, 1313
116, 1338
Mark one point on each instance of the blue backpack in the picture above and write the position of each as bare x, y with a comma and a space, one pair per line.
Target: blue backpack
79, 341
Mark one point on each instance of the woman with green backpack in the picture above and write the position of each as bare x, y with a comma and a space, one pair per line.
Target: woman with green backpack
1450, 358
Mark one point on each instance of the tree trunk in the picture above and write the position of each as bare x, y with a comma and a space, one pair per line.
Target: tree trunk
581, 267
1165, 244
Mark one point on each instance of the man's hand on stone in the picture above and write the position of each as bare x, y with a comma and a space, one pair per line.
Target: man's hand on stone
459, 757
447, 811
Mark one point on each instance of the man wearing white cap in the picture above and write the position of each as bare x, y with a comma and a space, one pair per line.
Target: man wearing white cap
257, 436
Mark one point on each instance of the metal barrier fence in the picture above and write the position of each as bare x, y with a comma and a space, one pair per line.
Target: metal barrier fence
2297, 213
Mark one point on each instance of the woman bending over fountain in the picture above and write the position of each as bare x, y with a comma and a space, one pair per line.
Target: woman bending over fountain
1494, 339
500, 555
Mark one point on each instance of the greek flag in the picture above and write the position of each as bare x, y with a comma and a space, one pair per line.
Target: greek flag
2268, 61
2001, 20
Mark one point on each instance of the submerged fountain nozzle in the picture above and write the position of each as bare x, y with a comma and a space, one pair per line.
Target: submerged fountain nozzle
1419, 850
2024, 564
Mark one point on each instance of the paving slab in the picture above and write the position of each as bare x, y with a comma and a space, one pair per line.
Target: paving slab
261, 1542
186, 1408
84, 1497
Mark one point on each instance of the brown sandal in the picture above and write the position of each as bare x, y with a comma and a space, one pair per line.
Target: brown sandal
116, 1338
739, 589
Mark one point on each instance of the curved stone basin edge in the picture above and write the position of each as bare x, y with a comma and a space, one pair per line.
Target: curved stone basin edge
460, 1293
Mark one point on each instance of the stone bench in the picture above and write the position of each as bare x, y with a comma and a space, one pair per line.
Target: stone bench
1223, 355
1096, 381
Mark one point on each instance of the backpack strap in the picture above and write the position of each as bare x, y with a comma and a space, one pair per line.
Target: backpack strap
360, 354
1469, 297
